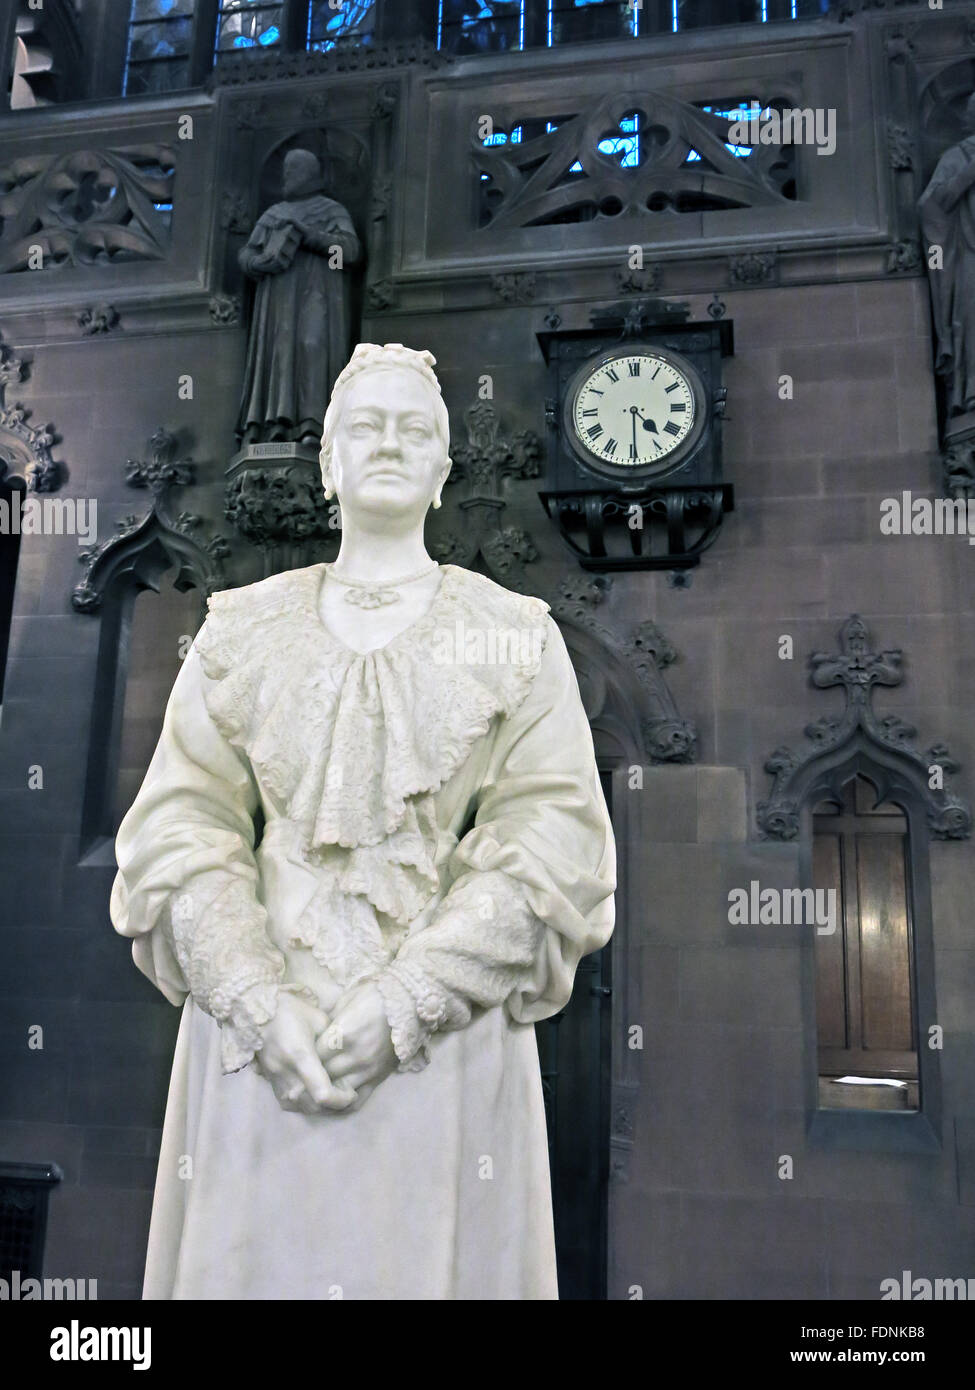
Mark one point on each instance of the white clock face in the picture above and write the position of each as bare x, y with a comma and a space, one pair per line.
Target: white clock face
634, 410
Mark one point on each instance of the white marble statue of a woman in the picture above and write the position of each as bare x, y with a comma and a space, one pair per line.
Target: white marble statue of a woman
356, 1108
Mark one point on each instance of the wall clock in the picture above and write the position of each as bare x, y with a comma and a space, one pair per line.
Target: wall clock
634, 412
634, 408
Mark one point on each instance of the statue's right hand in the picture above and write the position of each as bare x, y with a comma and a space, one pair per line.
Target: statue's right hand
289, 1061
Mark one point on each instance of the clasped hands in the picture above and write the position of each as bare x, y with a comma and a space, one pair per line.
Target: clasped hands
316, 1062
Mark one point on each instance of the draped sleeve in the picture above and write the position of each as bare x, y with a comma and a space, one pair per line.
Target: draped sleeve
187, 887
334, 226
533, 879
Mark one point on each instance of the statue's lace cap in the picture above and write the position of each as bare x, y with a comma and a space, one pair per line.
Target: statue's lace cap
376, 357
371, 355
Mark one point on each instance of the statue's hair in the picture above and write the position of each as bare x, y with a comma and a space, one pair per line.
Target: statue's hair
370, 357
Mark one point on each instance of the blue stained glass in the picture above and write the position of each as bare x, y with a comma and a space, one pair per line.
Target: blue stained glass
627, 146
243, 25
501, 138
742, 112
158, 38
481, 26
327, 26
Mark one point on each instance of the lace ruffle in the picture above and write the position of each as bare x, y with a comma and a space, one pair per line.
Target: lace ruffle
405, 1028
355, 747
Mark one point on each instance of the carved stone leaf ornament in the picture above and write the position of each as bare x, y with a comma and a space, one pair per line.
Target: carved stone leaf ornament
25, 449
483, 463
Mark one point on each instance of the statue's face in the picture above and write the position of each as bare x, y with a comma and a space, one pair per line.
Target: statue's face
387, 454
298, 174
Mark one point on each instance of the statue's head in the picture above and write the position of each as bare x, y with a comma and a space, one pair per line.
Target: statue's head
302, 174
386, 434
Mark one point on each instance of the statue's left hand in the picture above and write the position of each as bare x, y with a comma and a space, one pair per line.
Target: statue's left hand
357, 1048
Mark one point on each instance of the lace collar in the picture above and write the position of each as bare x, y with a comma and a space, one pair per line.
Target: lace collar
350, 744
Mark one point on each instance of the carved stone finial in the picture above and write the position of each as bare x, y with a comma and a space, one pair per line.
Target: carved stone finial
886, 743
135, 548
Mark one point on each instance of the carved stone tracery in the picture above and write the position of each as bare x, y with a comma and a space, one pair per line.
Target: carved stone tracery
88, 207
145, 547
682, 164
884, 743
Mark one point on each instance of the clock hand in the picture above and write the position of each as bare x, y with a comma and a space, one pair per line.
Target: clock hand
647, 424
633, 418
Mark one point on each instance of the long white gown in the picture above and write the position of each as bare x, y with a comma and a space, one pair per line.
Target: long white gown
433, 822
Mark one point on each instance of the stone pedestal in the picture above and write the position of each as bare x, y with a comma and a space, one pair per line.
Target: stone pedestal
274, 497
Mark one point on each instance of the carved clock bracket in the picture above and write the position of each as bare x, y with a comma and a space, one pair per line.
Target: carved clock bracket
884, 742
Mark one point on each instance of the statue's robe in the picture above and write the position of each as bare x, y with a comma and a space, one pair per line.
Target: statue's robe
301, 324
947, 212
434, 822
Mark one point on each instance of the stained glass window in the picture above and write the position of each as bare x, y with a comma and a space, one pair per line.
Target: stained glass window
157, 59
481, 26
249, 24
579, 21
740, 111
353, 22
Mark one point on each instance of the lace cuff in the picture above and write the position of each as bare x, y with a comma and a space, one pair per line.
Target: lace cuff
232, 970
480, 948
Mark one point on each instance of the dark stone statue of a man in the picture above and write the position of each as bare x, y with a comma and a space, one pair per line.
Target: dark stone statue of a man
299, 253
947, 211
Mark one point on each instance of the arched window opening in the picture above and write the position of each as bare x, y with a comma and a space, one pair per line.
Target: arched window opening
866, 1010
